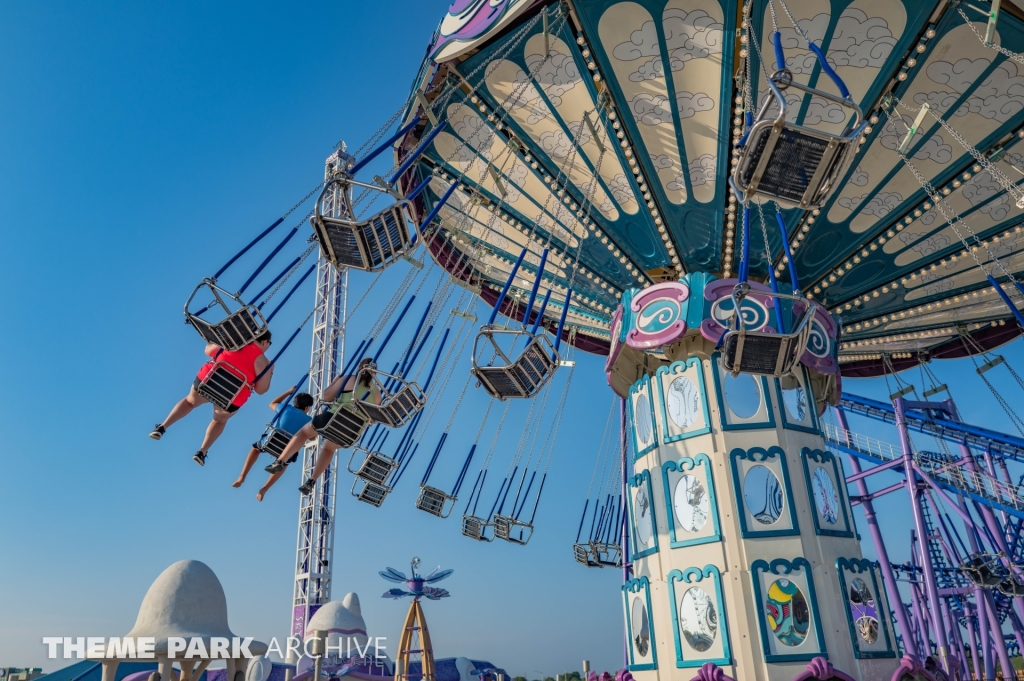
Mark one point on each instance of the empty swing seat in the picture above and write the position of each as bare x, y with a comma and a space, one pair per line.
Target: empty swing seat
794, 165
607, 554
345, 426
522, 378
242, 324
981, 570
369, 245
222, 384
435, 501
370, 492
512, 530
376, 467
474, 528
1011, 586
273, 441
763, 352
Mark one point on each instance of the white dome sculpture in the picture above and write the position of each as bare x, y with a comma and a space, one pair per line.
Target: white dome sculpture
185, 601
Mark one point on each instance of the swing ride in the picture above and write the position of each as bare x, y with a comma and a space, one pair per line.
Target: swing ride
597, 173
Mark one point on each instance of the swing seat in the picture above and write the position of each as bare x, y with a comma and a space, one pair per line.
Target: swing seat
475, 528
793, 165
981, 570
222, 384
435, 501
273, 441
522, 378
762, 352
607, 554
506, 526
345, 426
581, 553
395, 409
1011, 586
369, 245
371, 493
376, 467
242, 324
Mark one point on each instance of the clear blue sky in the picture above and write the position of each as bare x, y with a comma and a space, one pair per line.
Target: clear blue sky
142, 143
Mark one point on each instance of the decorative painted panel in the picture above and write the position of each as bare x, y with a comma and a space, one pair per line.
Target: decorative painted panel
742, 400
826, 484
641, 414
796, 402
643, 519
764, 494
682, 400
658, 315
787, 610
690, 502
867, 609
700, 626
636, 603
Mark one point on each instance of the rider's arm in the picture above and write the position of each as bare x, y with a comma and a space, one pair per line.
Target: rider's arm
212, 349
263, 385
279, 399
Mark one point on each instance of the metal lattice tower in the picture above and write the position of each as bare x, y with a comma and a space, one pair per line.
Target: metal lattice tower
315, 547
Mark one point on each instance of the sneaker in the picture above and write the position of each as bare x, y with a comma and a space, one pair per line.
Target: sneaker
307, 487
200, 458
275, 467
158, 432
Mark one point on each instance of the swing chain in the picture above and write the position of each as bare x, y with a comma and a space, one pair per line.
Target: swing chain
998, 48
292, 271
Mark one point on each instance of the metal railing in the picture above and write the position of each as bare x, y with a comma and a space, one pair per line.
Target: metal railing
951, 474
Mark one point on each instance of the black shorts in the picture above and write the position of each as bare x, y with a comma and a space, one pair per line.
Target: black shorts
320, 420
231, 408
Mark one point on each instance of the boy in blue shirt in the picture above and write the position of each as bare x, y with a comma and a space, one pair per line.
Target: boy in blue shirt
291, 420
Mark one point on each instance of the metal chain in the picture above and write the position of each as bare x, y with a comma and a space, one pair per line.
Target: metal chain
945, 209
998, 48
796, 24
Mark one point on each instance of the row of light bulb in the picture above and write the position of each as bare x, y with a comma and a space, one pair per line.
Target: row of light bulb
632, 162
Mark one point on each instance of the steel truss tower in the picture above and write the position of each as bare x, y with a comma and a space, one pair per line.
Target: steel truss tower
315, 547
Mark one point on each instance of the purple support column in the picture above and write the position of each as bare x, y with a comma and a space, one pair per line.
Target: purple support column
972, 640
627, 565
931, 589
921, 630
888, 578
926, 623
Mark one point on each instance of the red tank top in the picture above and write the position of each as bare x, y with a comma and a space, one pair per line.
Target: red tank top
245, 361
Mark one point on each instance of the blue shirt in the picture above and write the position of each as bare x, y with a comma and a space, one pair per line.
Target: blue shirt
292, 420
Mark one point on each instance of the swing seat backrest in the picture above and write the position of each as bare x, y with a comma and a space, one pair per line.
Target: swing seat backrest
375, 468
369, 245
522, 377
505, 527
763, 352
222, 384
242, 324
345, 426
433, 501
1011, 587
370, 492
273, 441
398, 408
581, 553
474, 527
796, 166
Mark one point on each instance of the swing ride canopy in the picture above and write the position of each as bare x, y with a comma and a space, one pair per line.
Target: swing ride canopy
615, 152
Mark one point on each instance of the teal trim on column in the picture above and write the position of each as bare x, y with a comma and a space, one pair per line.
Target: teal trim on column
860, 566
761, 454
701, 386
644, 384
811, 410
643, 478
635, 586
687, 464
838, 480
782, 567
695, 576
723, 406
